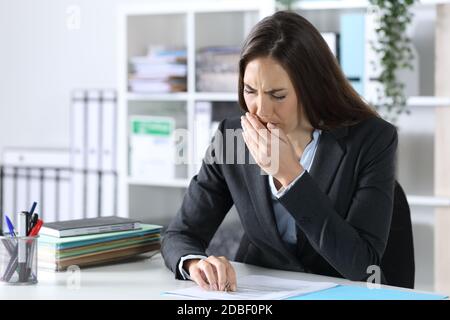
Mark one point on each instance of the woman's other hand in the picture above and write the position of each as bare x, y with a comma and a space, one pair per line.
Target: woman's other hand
212, 273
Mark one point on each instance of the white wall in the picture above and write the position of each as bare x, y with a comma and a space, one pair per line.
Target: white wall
42, 60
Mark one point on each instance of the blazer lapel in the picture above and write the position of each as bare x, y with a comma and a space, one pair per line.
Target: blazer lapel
328, 156
260, 195
258, 185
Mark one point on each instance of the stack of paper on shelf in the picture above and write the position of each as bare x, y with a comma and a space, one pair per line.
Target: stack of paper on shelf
161, 70
217, 69
59, 253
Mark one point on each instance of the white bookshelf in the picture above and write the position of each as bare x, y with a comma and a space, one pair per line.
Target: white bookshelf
189, 24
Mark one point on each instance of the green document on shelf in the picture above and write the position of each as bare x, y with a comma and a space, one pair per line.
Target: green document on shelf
152, 147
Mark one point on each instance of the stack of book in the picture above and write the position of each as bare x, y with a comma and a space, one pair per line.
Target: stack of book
217, 69
162, 70
89, 242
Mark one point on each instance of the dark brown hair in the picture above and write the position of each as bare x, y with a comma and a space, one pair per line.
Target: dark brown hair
328, 99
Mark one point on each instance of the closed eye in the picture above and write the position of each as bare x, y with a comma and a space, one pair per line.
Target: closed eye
250, 90
279, 97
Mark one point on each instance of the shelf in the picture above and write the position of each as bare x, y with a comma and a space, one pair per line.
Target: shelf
423, 219
432, 2
331, 5
216, 96
183, 7
417, 101
428, 201
429, 101
183, 96
174, 183
348, 4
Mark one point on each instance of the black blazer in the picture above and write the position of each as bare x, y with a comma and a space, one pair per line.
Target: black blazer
342, 207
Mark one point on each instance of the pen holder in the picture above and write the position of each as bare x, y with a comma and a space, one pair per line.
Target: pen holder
18, 260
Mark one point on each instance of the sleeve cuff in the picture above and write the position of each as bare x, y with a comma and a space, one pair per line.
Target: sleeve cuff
283, 190
183, 272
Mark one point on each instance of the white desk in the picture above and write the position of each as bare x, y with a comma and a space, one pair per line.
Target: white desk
140, 279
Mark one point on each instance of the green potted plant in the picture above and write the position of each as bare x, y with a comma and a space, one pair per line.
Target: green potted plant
393, 48
393, 51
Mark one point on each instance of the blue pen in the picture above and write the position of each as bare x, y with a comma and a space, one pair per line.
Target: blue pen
10, 226
33, 207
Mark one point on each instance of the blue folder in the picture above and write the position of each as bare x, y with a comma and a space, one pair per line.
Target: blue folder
352, 53
343, 292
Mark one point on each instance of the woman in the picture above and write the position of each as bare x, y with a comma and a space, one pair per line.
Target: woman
325, 203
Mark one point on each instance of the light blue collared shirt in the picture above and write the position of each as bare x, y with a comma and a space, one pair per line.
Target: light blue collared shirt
285, 222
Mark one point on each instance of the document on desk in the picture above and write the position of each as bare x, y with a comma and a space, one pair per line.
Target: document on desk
256, 287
